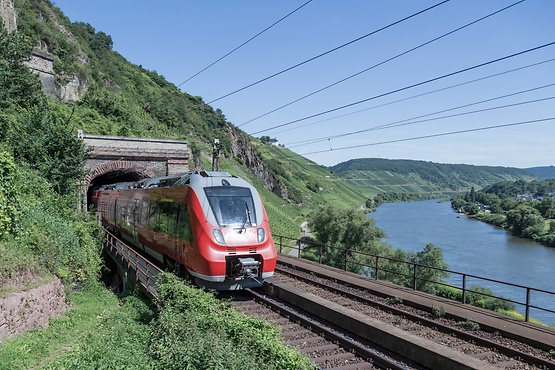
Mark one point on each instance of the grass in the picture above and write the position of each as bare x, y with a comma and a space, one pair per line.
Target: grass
96, 330
518, 315
188, 329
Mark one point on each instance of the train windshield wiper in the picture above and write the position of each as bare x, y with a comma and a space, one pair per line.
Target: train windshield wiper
247, 218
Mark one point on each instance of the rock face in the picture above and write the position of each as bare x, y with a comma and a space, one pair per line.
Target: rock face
65, 87
7, 13
242, 148
31, 309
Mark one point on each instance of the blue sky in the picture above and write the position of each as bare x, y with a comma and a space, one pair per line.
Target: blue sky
177, 39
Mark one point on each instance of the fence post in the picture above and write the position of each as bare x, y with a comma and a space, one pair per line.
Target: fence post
299, 246
377, 277
527, 317
320, 256
280, 243
464, 289
345, 260
415, 270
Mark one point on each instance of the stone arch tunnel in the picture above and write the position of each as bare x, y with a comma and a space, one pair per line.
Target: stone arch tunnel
113, 159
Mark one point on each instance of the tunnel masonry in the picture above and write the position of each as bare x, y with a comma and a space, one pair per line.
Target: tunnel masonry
112, 159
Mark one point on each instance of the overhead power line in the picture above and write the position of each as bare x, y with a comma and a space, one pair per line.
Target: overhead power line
419, 95
408, 87
435, 135
327, 52
381, 63
411, 120
243, 44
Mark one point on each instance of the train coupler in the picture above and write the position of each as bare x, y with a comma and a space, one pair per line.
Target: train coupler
242, 267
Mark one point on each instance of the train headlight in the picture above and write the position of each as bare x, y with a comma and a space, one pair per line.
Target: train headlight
218, 236
261, 234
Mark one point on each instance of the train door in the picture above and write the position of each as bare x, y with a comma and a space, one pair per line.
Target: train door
136, 215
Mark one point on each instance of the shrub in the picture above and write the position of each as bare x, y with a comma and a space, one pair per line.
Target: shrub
8, 199
195, 330
469, 324
478, 296
438, 311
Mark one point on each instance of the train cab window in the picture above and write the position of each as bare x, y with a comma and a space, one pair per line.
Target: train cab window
232, 206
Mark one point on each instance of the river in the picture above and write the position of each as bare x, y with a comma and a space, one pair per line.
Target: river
473, 247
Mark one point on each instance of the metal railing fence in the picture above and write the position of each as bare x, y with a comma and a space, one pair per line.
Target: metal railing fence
381, 266
142, 270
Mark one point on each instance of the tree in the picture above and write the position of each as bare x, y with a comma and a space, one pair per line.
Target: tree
471, 208
547, 207
524, 217
19, 87
345, 232
431, 256
508, 204
472, 194
533, 226
44, 140
458, 203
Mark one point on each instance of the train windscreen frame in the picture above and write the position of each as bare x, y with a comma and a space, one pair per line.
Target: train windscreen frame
232, 205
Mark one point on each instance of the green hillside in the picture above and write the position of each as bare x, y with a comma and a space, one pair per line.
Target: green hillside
542, 173
116, 97
371, 176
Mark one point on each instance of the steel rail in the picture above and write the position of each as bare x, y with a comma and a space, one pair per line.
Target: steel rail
425, 321
360, 350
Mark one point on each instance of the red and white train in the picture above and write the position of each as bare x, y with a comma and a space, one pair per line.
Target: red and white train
211, 224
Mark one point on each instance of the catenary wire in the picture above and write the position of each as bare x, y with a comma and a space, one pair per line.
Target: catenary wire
382, 127
327, 52
407, 87
381, 63
243, 44
401, 122
435, 135
417, 96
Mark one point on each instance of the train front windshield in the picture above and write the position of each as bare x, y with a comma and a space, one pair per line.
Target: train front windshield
233, 206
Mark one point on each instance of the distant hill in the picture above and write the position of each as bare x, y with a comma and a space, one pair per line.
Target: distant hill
376, 175
542, 173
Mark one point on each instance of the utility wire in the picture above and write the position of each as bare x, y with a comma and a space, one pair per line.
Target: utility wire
436, 135
400, 123
418, 95
243, 44
408, 87
463, 113
443, 117
327, 52
381, 63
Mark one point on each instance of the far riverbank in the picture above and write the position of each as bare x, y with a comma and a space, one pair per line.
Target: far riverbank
472, 247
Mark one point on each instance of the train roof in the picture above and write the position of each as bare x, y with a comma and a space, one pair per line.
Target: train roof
202, 178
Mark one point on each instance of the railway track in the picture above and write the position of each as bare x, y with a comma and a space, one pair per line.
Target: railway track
328, 347
488, 349
341, 325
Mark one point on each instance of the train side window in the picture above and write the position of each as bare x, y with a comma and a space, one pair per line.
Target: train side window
112, 206
168, 217
184, 230
154, 216
144, 214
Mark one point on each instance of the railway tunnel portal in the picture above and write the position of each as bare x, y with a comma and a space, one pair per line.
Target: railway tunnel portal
112, 159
